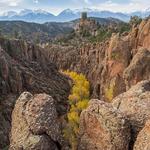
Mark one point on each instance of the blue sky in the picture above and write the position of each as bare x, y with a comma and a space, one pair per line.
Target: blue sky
56, 6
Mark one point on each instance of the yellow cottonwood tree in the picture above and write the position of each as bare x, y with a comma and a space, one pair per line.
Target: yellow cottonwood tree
78, 100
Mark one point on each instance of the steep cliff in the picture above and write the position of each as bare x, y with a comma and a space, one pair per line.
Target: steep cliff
25, 67
112, 66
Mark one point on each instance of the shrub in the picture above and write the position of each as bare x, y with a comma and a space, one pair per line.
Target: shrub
109, 92
103, 34
135, 20
115, 56
78, 100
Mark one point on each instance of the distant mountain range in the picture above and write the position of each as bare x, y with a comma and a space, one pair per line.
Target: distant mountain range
46, 31
40, 16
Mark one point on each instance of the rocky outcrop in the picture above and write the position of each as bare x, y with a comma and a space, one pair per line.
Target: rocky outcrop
103, 128
143, 36
35, 124
124, 62
139, 68
117, 58
87, 26
135, 104
112, 66
119, 125
25, 67
65, 57
143, 138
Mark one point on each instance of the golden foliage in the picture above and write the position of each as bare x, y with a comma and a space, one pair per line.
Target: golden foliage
109, 92
78, 100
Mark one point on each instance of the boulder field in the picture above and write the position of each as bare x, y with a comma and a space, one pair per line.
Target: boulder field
120, 125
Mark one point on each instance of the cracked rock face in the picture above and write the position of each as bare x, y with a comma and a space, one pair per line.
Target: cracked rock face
35, 124
135, 105
119, 62
143, 138
25, 67
139, 68
103, 128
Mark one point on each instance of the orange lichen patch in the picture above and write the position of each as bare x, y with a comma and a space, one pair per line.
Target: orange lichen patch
97, 131
117, 68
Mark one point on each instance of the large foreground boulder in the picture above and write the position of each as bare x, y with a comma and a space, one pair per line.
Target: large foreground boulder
143, 138
135, 105
35, 124
103, 128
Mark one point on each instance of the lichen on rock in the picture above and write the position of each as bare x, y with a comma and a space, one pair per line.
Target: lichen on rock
35, 124
103, 128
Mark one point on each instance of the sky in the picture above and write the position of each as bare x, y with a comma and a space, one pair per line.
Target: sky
56, 6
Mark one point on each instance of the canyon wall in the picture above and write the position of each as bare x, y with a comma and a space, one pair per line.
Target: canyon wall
25, 67
112, 66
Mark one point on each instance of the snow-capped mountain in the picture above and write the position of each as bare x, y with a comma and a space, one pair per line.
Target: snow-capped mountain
38, 16
67, 15
10, 14
41, 16
40, 11
147, 12
25, 12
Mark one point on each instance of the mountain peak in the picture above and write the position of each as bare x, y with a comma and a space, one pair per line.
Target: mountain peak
67, 11
25, 12
40, 11
9, 13
147, 10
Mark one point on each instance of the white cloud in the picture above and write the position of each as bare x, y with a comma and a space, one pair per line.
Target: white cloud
35, 1
82, 2
134, 5
11, 3
111, 5
87, 1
